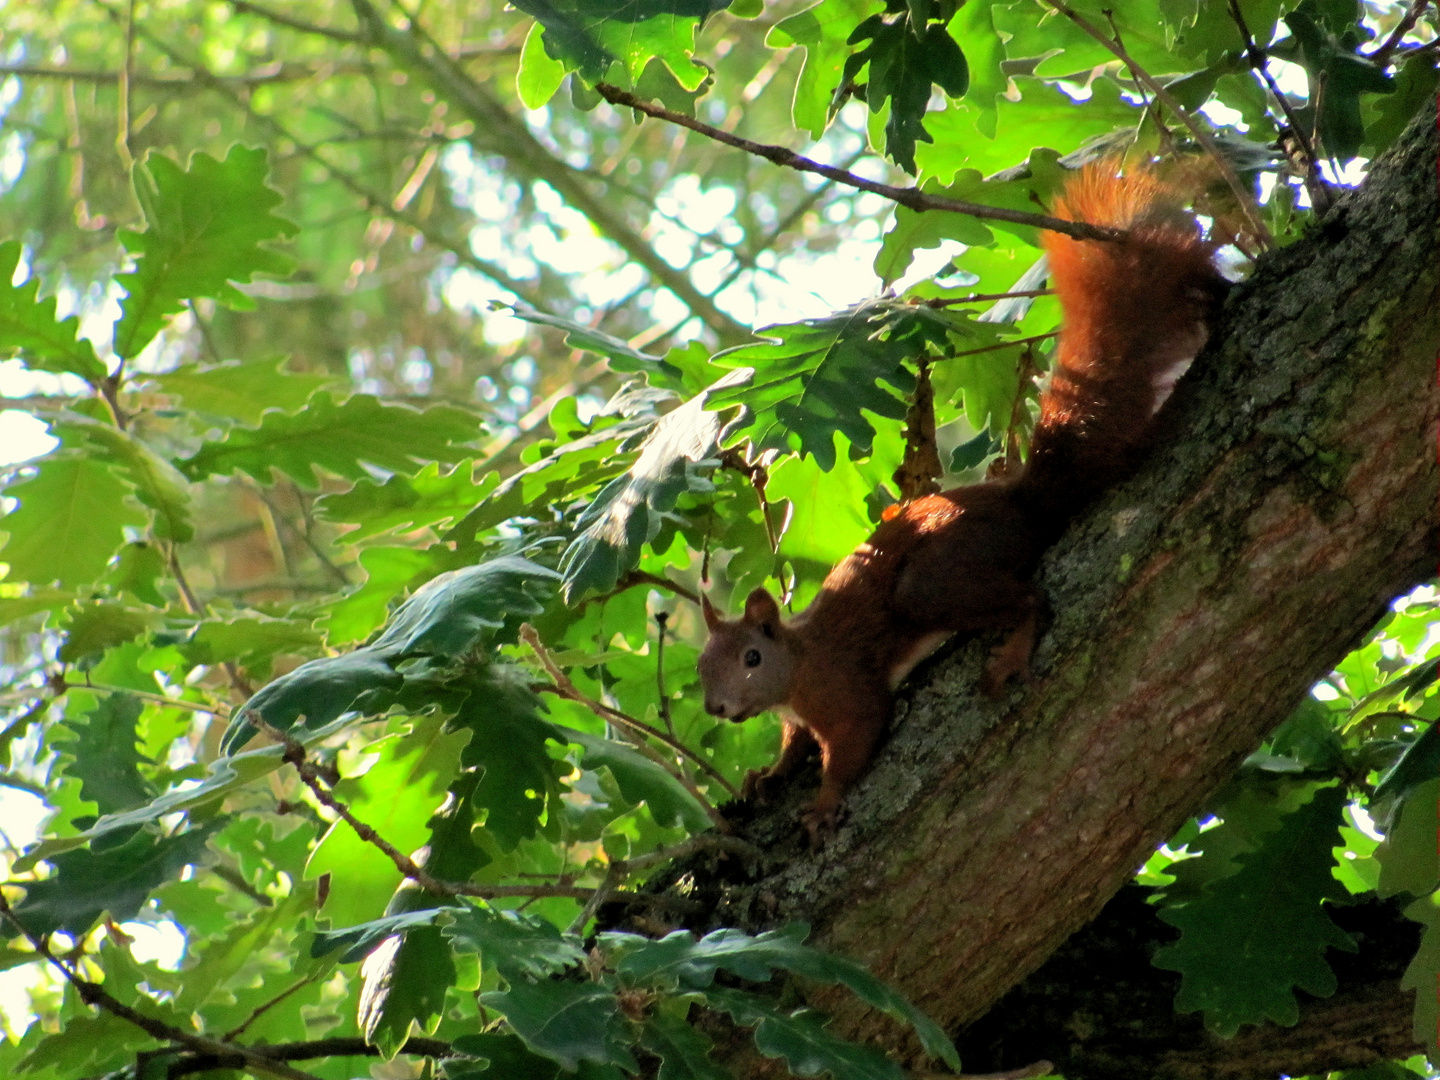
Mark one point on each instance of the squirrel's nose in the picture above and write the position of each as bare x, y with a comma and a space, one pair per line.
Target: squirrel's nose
715, 708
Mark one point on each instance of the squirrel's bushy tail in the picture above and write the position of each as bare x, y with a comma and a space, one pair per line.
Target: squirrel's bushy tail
1136, 312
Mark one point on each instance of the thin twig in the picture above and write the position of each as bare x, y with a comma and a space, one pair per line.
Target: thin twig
567, 689
976, 298
1242, 194
122, 106
911, 198
1320, 197
292, 23
310, 773
1004, 345
238, 682
95, 995
339, 1046
261, 1009
1407, 23
733, 458
661, 618
642, 577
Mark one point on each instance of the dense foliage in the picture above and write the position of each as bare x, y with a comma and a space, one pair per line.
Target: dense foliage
401, 398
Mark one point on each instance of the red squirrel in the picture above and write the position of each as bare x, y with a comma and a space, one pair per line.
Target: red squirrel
1136, 311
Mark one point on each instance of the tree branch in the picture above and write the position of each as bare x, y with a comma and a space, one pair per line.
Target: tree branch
416, 51
911, 198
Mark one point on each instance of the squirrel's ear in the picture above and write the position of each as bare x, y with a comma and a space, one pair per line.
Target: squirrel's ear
761, 609
712, 617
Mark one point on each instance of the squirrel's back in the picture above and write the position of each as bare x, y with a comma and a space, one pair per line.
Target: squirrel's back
1136, 312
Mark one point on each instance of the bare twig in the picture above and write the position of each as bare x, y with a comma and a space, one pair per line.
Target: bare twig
1004, 345
292, 23
911, 198
1320, 197
95, 995
340, 1046
1386, 51
261, 1009
642, 577
661, 618
310, 773
122, 106
238, 682
567, 689
1242, 193
733, 458
976, 298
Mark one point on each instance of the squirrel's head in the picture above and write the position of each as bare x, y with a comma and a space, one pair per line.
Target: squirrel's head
748, 663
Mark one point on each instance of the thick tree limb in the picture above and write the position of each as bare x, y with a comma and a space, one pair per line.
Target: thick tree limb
1292, 498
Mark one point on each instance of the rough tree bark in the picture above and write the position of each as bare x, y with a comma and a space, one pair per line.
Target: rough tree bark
1293, 498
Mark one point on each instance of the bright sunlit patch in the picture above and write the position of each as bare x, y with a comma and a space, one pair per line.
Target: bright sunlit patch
22, 437
161, 943
1224, 116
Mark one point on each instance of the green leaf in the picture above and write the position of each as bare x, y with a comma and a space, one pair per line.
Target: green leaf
361, 940
227, 955
1345, 75
1253, 937
657, 370
1415, 84
678, 961
241, 391
569, 1022
71, 518
640, 779
517, 945
158, 484
404, 985
205, 225
248, 639
591, 36
538, 77
506, 1058
520, 780
815, 377
904, 64
626, 515
339, 439
823, 31
684, 1053
92, 628
801, 1039
1423, 974
1409, 863
117, 880
406, 503
28, 326
137, 568
104, 755
456, 612
320, 691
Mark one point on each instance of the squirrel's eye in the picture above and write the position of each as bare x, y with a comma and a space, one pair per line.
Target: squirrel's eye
752, 657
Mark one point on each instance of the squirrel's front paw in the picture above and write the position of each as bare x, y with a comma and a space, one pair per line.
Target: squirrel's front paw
820, 825
759, 785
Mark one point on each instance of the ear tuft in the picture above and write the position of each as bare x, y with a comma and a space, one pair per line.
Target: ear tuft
761, 609
713, 621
